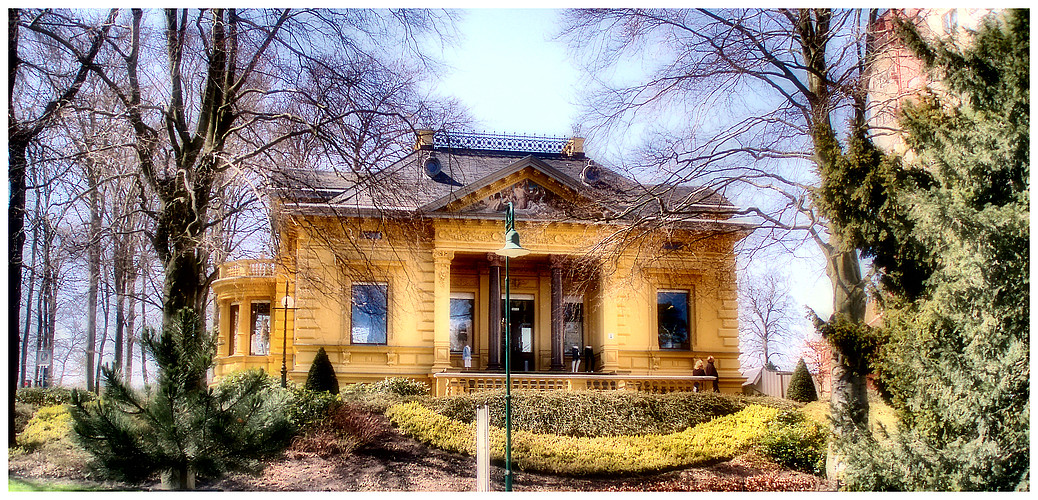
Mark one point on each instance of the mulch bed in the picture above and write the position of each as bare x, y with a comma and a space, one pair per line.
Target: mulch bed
400, 463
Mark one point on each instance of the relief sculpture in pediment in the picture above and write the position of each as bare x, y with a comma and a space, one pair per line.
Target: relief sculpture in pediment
528, 197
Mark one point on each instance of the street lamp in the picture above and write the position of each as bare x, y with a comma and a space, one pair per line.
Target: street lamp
286, 304
511, 249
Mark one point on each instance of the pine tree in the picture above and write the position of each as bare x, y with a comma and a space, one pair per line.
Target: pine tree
182, 428
956, 360
801, 387
322, 375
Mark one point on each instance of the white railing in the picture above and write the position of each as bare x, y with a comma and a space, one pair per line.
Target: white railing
449, 384
247, 268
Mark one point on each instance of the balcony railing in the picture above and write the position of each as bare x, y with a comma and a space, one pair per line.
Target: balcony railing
449, 384
247, 268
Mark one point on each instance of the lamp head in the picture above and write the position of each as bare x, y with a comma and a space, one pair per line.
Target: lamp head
287, 302
512, 247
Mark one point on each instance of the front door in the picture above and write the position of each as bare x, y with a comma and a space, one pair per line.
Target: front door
521, 334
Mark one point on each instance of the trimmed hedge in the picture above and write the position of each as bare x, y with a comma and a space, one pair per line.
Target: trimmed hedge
600, 413
321, 376
719, 439
39, 396
801, 386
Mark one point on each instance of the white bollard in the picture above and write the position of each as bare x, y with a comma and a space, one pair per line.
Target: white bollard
483, 448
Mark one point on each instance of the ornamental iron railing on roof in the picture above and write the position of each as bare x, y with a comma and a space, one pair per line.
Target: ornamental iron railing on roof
500, 142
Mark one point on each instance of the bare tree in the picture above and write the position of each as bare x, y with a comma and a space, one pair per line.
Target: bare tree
745, 102
43, 89
237, 84
767, 317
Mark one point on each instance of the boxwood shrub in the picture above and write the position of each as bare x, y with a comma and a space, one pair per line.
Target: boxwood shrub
719, 439
796, 442
599, 413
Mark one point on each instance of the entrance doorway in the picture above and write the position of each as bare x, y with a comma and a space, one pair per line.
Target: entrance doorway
521, 333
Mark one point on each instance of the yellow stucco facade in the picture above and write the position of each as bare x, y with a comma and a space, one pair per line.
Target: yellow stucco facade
432, 279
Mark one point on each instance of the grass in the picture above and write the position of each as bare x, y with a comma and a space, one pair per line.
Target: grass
15, 484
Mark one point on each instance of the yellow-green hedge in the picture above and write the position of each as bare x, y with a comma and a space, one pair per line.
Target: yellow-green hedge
720, 438
50, 423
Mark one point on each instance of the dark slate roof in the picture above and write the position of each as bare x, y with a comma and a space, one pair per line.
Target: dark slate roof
405, 186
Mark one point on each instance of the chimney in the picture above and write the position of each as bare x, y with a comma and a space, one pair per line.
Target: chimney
574, 148
425, 139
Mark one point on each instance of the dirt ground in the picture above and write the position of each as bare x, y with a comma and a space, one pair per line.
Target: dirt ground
399, 463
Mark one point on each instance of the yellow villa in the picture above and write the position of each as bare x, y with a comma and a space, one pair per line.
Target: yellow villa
394, 273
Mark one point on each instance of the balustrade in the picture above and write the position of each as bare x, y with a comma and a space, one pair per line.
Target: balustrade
449, 384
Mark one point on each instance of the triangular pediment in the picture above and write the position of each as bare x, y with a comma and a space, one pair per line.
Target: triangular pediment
535, 189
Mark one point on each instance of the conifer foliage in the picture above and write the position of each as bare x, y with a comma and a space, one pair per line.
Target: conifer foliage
181, 428
801, 387
322, 375
956, 358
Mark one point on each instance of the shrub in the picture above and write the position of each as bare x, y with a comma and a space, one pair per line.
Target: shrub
347, 427
400, 386
182, 428
801, 387
22, 414
796, 442
594, 413
40, 396
721, 438
305, 407
322, 375
49, 424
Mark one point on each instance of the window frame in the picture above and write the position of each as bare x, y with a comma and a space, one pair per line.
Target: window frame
253, 316
689, 319
577, 300
463, 295
353, 305
233, 318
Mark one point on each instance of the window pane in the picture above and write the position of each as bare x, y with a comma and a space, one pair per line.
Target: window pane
259, 343
368, 314
573, 326
672, 310
233, 337
461, 323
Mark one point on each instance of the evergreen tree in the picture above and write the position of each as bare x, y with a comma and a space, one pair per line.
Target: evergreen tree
322, 375
801, 386
183, 428
955, 362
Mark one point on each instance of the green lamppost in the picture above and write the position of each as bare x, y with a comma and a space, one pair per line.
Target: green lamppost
511, 249
286, 304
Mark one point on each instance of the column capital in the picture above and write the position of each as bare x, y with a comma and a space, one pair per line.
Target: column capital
558, 261
495, 259
443, 255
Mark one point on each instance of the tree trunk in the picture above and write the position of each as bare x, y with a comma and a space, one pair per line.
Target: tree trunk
28, 301
849, 400
144, 354
52, 318
16, 229
131, 316
119, 270
104, 340
94, 266
178, 479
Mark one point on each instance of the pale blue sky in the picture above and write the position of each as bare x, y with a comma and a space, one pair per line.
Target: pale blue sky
509, 73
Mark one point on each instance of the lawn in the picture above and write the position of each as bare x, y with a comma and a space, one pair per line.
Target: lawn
15, 484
